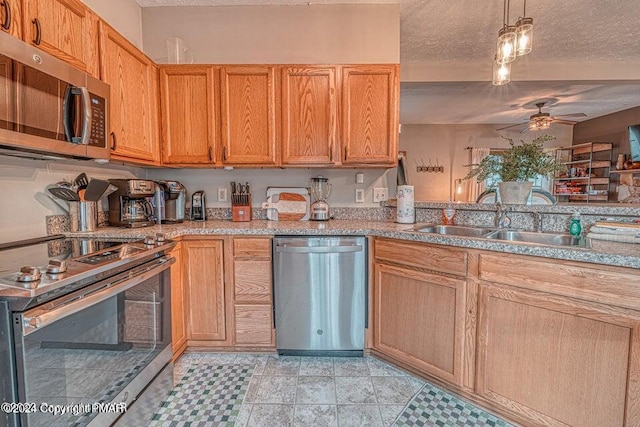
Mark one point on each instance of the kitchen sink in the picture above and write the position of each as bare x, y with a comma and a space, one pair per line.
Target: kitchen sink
454, 230
553, 239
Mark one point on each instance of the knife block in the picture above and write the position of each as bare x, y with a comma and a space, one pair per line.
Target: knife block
241, 212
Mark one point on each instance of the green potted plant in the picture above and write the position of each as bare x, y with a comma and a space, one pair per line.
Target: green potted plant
515, 167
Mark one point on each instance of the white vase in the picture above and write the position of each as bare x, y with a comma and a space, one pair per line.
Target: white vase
515, 192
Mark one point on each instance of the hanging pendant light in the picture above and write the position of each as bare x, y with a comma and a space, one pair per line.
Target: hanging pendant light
524, 33
501, 72
507, 38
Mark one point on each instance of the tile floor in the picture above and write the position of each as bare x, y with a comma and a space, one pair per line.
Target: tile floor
269, 390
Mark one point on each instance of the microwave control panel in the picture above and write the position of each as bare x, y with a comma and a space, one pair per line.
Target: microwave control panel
98, 121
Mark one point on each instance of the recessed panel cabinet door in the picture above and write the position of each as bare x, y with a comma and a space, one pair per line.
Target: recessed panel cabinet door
61, 28
248, 108
205, 284
558, 361
370, 114
11, 17
309, 115
133, 80
188, 114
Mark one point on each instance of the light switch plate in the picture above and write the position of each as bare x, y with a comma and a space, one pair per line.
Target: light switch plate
222, 194
380, 195
359, 195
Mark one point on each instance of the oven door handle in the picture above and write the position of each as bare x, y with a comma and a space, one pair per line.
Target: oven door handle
38, 318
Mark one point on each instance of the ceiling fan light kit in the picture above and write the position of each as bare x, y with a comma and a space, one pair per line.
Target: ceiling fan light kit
513, 41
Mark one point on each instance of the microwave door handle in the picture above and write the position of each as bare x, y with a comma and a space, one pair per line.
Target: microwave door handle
68, 113
87, 116
38, 318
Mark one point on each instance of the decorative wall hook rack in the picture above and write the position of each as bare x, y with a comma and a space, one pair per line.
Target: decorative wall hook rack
422, 167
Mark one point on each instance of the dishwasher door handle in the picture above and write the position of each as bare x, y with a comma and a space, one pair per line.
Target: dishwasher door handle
319, 249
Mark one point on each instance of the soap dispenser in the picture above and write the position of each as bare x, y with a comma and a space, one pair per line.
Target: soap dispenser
575, 228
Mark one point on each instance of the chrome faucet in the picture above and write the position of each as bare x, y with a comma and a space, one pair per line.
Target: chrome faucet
502, 219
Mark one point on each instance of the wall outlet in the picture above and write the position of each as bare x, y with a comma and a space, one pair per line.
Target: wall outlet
380, 195
222, 194
359, 195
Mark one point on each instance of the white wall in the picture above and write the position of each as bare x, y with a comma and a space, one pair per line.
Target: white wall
342, 181
25, 202
123, 15
362, 33
446, 144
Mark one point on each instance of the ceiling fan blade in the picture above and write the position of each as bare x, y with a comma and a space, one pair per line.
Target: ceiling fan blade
563, 122
525, 130
512, 126
572, 115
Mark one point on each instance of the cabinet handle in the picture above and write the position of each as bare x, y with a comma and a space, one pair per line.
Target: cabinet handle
345, 153
331, 154
210, 152
7, 15
115, 141
38, 38
224, 153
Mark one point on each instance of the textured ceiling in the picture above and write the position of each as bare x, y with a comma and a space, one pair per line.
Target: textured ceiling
450, 32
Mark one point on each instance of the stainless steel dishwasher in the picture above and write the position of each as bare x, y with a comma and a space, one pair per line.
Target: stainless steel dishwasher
320, 295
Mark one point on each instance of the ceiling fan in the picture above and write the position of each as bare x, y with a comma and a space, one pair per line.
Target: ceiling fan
541, 121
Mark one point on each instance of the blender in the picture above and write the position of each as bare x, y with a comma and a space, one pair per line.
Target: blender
320, 190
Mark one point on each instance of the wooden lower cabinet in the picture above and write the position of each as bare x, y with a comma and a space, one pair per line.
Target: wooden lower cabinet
253, 308
419, 320
204, 275
178, 320
558, 361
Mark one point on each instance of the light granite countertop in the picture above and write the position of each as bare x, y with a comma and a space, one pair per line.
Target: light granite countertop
599, 252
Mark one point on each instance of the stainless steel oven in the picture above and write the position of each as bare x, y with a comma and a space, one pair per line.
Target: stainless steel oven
83, 356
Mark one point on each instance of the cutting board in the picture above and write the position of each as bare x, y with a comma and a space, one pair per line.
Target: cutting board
287, 207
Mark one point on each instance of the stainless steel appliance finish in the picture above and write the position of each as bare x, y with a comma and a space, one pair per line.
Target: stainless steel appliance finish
131, 204
175, 201
53, 109
198, 206
94, 328
320, 190
320, 295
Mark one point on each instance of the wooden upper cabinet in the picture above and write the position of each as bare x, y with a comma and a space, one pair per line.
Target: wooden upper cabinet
62, 28
309, 115
370, 114
248, 108
188, 114
11, 17
134, 98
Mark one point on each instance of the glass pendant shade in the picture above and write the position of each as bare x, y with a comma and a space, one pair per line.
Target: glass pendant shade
524, 34
507, 44
501, 72
540, 124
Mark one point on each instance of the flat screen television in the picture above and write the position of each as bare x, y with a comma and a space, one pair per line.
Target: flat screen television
634, 142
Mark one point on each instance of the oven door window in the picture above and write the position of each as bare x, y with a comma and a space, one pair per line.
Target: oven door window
92, 355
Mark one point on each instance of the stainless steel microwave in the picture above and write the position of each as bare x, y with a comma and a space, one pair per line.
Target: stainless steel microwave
48, 108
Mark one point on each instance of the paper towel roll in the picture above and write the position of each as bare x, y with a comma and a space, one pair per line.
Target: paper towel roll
406, 213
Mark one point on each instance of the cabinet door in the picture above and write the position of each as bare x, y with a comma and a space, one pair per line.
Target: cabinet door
11, 17
309, 115
556, 361
178, 329
419, 320
370, 114
205, 288
248, 109
61, 28
133, 80
7, 94
188, 114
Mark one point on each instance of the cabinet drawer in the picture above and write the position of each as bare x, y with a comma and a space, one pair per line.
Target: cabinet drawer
252, 281
253, 325
611, 286
252, 247
422, 256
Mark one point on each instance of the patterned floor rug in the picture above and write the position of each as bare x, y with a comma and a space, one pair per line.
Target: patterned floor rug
433, 407
206, 396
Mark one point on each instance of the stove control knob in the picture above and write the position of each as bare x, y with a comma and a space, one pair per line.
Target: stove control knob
149, 240
160, 238
56, 267
29, 274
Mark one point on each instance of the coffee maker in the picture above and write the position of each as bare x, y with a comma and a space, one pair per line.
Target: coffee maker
175, 196
198, 206
131, 204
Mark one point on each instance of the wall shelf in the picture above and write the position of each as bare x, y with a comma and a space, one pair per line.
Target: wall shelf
588, 168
